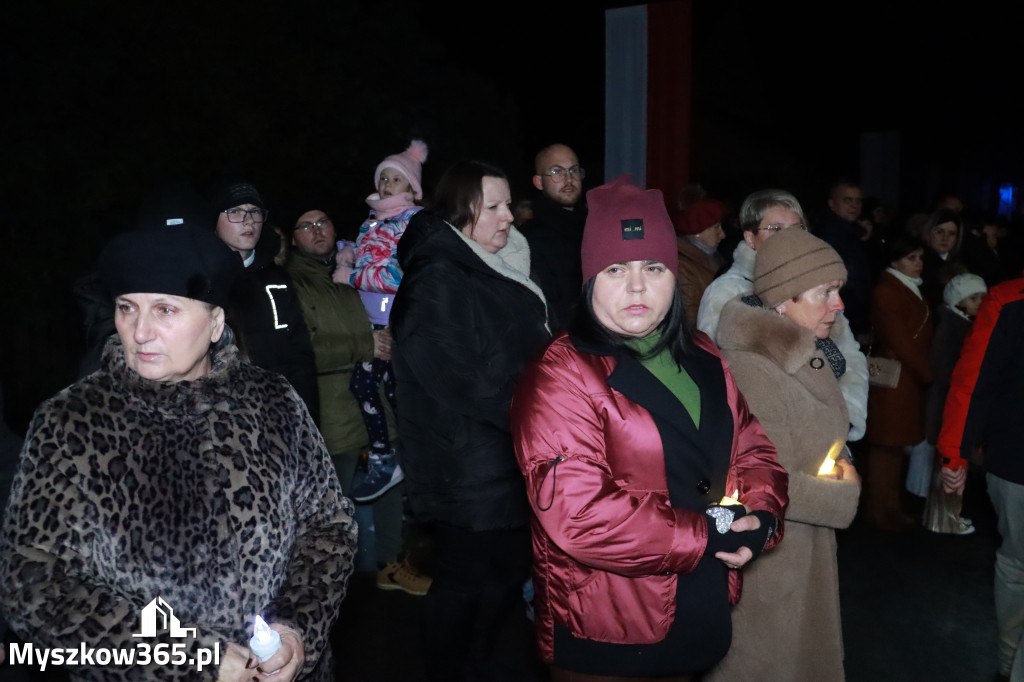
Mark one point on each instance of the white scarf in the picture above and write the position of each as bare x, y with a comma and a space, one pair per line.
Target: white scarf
913, 283
960, 313
512, 260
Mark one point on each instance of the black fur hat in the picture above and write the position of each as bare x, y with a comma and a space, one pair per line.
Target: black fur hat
186, 260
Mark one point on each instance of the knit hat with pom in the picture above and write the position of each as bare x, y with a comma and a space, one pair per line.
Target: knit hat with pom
409, 163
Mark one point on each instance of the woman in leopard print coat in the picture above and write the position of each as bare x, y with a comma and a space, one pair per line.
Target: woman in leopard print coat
214, 494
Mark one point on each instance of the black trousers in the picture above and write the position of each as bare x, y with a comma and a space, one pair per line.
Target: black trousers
478, 579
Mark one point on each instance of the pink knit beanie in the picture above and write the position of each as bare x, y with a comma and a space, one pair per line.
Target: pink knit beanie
409, 163
626, 223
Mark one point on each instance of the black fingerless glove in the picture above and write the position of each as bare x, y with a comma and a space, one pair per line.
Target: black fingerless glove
730, 541
757, 539
718, 518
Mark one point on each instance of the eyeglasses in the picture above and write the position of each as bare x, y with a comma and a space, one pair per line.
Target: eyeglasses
559, 174
775, 227
306, 227
238, 215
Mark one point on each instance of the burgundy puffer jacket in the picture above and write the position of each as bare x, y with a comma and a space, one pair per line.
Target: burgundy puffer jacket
612, 529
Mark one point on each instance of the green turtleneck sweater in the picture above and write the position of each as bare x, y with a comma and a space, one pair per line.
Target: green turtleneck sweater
665, 369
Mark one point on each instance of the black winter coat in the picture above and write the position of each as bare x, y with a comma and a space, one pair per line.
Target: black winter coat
555, 236
463, 332
845, 237
266, 315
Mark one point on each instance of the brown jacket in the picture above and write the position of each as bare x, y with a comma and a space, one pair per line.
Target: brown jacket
696, 271
903, 330
787, 625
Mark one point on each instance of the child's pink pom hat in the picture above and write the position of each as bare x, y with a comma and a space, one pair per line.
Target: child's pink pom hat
409, 163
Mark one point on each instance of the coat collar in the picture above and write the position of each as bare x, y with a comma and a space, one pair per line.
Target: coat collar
180, 398
765, 332
549, 212
708, 447
428, 237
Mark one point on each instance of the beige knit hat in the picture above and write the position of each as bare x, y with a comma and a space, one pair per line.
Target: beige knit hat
792, 262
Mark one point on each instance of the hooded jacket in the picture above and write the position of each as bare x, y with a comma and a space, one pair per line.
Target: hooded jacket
465, 323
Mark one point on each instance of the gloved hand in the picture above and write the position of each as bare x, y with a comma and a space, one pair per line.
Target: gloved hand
757, 539
730, 541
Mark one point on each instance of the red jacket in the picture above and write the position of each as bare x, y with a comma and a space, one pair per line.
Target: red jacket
986, 392
608, 540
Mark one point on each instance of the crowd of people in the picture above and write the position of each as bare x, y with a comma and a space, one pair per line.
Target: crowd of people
589, 405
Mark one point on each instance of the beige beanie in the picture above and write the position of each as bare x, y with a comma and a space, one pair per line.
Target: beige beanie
792, 262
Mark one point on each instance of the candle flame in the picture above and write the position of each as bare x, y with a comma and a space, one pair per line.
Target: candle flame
735, 499
261, 632
829, 465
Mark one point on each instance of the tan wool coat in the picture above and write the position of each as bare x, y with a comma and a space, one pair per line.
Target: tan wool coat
787, 625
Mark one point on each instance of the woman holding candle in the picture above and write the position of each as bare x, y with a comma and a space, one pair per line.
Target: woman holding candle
178, 472
776, 341
629, 429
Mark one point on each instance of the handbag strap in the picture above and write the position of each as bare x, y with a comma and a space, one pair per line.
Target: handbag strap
927, 314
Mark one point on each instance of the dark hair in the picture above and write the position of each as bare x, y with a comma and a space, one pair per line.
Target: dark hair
459, 192
940, 216
899, 245
676, 335
839, 183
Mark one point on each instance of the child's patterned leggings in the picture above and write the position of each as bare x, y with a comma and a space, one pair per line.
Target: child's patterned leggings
367, 377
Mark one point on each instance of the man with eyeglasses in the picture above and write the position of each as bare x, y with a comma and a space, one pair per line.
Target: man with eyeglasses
845, 232
556, 230
762, 215
264, 311
342, 336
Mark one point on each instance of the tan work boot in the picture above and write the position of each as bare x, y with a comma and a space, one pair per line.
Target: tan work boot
401, 575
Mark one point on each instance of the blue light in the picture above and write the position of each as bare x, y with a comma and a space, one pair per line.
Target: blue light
1007, 200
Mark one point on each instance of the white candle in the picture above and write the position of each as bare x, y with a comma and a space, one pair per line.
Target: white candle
265, 642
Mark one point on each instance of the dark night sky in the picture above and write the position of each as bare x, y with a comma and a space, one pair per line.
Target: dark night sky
106, 99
